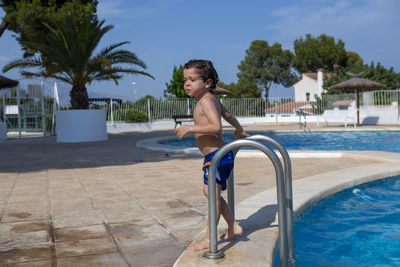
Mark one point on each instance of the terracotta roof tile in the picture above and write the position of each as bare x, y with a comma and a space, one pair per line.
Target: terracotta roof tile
314, 75
291, 107
343, 102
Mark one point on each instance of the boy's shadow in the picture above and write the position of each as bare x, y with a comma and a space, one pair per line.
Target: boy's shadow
262, 219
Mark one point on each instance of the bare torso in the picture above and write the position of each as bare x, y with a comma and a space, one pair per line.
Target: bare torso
207, 143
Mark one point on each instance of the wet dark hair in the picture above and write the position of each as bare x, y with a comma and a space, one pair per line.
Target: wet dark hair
206, 70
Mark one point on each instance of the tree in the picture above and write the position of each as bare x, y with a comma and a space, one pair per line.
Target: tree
66, 54
242, 89
3, 27
175, 86
264, 65
26, 17
321, 52
377, 73
176, 89
353, 59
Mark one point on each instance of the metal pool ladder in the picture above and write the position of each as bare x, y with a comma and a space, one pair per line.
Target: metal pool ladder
284, 195
303, 125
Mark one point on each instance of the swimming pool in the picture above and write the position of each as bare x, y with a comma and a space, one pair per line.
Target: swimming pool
359, 226
347, 140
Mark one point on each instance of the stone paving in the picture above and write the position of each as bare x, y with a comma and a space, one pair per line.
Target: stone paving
112, 204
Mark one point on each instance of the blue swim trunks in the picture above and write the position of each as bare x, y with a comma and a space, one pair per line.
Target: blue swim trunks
224, 168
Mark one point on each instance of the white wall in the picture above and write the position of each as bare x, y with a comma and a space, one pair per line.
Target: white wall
384, 114
305, 85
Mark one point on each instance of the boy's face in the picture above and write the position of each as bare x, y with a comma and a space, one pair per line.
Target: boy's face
194, 84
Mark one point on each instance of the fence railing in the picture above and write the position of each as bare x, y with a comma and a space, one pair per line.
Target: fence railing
30, 107
162, 109
151, 109
37, 113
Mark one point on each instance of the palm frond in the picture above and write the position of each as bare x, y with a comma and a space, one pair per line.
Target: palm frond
29, 75
30, 62
67, 54
114, 70
110, 48
127, 57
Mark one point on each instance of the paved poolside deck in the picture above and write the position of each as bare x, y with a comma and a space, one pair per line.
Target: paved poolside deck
98, 204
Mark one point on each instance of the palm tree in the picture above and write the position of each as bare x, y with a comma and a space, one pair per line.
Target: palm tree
66, 54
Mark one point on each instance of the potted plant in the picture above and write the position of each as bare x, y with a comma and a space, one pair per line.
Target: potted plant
67, 53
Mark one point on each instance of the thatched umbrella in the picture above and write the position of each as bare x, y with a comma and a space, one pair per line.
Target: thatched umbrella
221, 91
358, 84
7, 83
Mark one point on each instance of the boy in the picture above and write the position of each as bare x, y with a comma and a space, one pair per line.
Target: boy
200, 78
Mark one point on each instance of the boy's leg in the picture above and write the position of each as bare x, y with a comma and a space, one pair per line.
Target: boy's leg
222, 207
233, 226
205, 242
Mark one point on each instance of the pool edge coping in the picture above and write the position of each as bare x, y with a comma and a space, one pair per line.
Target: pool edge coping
154, 144
304, 196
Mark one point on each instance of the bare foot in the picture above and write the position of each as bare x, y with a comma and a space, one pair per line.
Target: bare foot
233, 231
200, 245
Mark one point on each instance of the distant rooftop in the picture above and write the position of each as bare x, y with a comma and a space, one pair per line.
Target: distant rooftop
314, 75
343, 102
291, 107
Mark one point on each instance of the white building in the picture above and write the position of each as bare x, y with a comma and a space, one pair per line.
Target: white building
310, 85
344, 105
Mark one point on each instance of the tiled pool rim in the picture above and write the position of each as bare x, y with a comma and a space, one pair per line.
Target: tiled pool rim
262, 247
155, 145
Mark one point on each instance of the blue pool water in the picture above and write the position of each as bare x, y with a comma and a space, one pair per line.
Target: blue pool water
359, 226
353, 140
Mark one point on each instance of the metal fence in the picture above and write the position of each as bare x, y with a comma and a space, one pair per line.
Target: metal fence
29, 108
151, 109
32, 108
381, 107
36, 115
162, 109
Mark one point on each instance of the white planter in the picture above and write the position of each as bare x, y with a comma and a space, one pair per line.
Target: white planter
81, 125
3, 130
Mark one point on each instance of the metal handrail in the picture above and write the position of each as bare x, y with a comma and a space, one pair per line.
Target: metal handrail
231, 188
288, 190
283, 240
288, 187
303, 124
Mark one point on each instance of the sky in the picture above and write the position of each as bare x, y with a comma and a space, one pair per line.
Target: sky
168, 33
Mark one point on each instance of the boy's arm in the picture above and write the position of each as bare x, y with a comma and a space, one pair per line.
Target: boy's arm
239, 132
212, 127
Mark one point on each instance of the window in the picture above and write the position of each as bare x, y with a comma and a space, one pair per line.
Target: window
307, 96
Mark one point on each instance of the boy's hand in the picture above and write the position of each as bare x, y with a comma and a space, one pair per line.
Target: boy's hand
240, 135
182, 131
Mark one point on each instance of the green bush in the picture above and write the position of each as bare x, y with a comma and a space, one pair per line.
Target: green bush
130, 115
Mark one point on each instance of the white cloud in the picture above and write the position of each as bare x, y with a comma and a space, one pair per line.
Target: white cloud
110, 8
123, 9
4, 60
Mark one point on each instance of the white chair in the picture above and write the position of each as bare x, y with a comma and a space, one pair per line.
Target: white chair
347, 116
